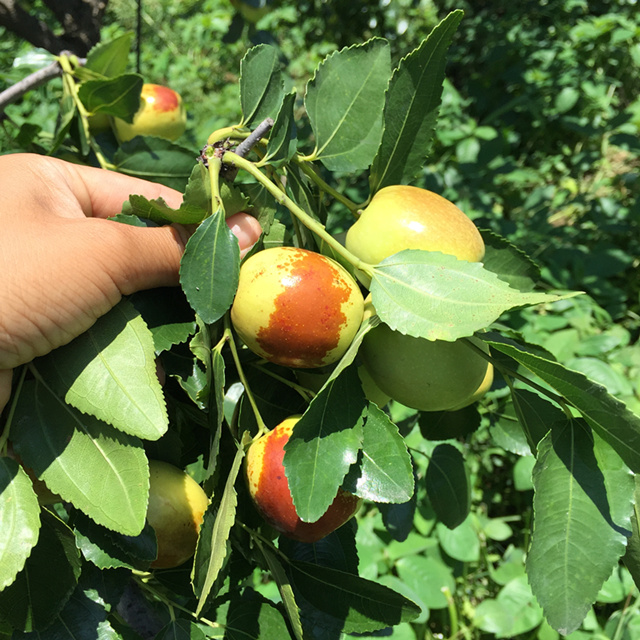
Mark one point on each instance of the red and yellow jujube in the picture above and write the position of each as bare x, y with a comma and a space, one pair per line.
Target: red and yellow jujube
269, 489
296, 307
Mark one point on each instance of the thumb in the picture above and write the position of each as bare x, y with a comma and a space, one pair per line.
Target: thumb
139, 258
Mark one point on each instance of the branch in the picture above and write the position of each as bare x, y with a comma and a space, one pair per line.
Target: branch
80, 19
28, 27
32, 81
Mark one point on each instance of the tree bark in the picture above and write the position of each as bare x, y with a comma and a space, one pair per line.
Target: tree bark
80, 20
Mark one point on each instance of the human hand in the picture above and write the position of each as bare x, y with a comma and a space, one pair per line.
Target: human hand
63, 265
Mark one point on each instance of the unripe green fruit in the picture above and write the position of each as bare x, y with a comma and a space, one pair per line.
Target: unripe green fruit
296, 308
161, 114
269, 489
251, 11
403, 217
428, 375
176, 509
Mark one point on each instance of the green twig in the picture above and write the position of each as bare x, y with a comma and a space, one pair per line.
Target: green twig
309, 222
262, 427
311, 173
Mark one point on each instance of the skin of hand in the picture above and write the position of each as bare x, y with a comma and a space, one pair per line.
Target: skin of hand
63, 265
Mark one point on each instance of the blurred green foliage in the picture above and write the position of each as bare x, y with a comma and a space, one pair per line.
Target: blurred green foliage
538, 139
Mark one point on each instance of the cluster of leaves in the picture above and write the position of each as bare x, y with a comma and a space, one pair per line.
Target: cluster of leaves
583, 489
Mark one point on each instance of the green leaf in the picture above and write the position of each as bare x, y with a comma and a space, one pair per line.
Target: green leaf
19, 519
582, 519
448, 487
282, 141
45, 584
535, 414
181, 629
363, 605
508, 262
383, 472
210, 559
119, 97
261, 85
110, 58
428, 294
411, 108
461, 543
606, 415
631, 557
345, 100
255, 618
324, 444
155, 159
110, 372
512, 613
100, 470
108, 549
210, 268
428, 577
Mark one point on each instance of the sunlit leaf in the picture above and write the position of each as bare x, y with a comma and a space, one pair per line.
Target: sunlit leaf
282, 141
155, 159
411, 108
19, 519
510, 263
112, 57
324, 444
433, 295
261, 85
207, 565
582, 519
42, 588
118, 97
110, 372
100, 470
210, 268
344, 101
384, 472
606, 415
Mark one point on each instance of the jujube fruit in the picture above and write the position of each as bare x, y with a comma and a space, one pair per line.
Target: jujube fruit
161, 114
296, 307
428, 375
176, 509
404, 217
269, 489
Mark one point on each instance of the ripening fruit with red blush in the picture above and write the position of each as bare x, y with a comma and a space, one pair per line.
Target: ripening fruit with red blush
269, 489
161, 114
296, 307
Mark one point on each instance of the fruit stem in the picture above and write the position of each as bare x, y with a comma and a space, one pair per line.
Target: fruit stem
4, 436
309, 222
226, 133
305, 393
215, 165
315, 177
68, 80
262, 427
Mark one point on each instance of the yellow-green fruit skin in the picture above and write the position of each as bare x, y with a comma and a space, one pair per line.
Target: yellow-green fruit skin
176, 509
161, 114
479, 393
404, 217
296, 308
428, 375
